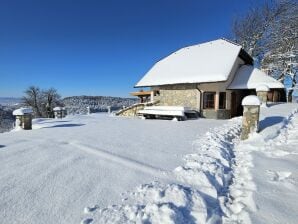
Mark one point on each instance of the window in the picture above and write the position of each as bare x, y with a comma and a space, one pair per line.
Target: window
209, 99
222, 100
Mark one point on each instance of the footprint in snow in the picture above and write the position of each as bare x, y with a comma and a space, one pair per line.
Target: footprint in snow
90, 209
278, 175
87, 221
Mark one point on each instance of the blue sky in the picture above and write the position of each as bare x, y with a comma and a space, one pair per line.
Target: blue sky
100, 47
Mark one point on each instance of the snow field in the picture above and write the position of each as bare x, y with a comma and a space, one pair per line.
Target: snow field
86, 169
199, 194
51, 173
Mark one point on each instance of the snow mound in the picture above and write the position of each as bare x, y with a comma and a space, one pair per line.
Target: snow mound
251, 100
22, 111
155, 203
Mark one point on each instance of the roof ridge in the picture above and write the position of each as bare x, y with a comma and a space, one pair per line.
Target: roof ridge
230, 41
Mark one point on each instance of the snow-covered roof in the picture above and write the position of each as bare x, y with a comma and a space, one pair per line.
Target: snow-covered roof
58, 108
207, 62
262, 87
22, 111
251, 100
248, 77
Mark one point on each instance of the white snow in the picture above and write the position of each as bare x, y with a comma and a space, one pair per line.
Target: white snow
194, 64
51, 173
164, 110
262, 87
57, 108
105, 169
265, 184
22, 111
248, 77
251, 100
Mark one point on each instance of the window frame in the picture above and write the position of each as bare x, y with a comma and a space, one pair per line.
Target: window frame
206, 102
222, 101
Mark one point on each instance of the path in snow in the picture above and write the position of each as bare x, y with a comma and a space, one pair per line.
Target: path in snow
265, 183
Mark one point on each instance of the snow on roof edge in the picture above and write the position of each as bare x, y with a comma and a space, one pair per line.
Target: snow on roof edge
249, 77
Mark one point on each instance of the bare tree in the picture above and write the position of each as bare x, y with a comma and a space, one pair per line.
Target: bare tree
52, 99
33, 99
269, 33
42, 101
251, 29
281, 60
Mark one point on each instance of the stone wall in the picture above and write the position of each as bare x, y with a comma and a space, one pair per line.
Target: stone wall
179, 95
216, 114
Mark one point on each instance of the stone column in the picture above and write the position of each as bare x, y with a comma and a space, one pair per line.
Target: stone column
27, 122
251, 115
64, 112
262, 91
109, 109
88, 110
23, 118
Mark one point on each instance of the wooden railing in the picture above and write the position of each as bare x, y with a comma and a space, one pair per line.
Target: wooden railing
133, 109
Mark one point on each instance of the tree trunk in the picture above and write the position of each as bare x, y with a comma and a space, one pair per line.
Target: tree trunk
290, 96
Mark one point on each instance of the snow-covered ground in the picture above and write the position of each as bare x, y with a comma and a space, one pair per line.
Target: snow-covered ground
52, 172
102, 169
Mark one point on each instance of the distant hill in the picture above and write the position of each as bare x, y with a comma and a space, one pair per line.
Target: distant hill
9, 101
79, 104
73, 104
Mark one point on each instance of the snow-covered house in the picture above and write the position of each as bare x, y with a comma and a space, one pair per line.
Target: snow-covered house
211, 78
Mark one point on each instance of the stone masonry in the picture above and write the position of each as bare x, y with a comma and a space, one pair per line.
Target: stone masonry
263, 96
251, 116
179, 95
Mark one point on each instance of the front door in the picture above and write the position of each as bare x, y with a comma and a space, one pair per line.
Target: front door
233, 104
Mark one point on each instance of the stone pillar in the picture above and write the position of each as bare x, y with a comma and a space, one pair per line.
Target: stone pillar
262, 92
58, 112
251, 115
88, 110
23, 118
63, 112
109, 109
27, 122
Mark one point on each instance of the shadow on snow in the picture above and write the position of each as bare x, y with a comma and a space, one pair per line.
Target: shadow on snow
270, 121
65, 125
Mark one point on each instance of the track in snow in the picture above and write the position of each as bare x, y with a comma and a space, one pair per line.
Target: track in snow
121, 160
